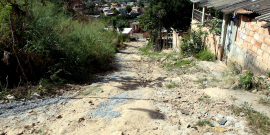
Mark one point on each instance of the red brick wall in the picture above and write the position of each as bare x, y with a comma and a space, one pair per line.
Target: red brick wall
255, 40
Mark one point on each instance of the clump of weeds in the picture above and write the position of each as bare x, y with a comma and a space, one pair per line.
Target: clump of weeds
259, 121
264, 101
204, 122
205, 98
172, 85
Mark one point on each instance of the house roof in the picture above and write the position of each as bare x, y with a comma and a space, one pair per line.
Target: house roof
261, 7
135, 23
126, 30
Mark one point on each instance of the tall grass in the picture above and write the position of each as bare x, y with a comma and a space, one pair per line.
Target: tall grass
77, 48
55, 49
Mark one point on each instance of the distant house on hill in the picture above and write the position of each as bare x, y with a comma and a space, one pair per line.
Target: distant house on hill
136, 9
137, 31
123, 4
130, 3
121, 10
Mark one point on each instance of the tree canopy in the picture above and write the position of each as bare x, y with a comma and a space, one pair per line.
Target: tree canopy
178, 14
128, 8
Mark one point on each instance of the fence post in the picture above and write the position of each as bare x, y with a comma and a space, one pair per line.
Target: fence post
193, 11
223, 34
203, 15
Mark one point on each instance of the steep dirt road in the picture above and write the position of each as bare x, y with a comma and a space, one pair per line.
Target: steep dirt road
130, 101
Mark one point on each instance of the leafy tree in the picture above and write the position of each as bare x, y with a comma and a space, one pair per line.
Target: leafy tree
141, 4
91, 5
128, 8
90, 8
217, 13
115, 11
121, 24
166, 14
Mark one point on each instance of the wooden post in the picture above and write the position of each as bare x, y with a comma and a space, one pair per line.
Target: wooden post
203, 15
223, 34
193, 11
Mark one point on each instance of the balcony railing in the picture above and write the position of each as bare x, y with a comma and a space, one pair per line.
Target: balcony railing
208, 20
197, 15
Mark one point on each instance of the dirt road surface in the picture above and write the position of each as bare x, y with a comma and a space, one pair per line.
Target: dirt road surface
133, 100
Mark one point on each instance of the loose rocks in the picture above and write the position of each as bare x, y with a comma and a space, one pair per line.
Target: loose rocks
222, 122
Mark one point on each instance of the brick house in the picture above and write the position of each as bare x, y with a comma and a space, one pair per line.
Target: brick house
245, 37
137, 31
136, 9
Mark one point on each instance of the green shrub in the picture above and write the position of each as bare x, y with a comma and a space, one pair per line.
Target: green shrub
245, 80
205, 55
127, 40
191, 44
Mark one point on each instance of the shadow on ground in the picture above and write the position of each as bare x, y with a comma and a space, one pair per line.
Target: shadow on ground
151, 113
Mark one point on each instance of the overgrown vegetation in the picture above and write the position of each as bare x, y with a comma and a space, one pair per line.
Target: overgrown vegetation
48, 48
259, 121
194, 45
204, 122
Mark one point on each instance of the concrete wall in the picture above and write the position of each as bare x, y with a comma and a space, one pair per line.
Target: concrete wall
177, 40
140, 35
252, 45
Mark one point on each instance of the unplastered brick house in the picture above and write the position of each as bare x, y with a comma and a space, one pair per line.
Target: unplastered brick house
245, 35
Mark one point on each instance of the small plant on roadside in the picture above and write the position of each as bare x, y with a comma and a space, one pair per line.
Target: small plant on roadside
205, 98
183, 62
4, 89
146, 48
172, 85
200, 80
92, 90
258, 120
233, 98
39, 130
268, 73
245, 80
214, 79
233, 68
264, 101
204, 122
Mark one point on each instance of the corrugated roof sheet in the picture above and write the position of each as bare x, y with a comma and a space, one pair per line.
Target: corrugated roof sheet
261, 7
